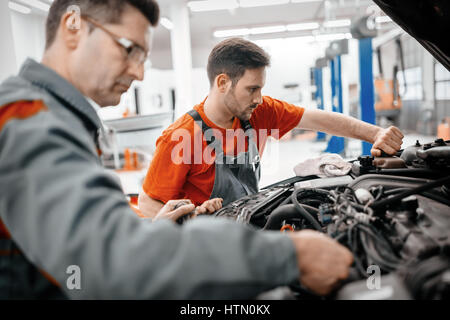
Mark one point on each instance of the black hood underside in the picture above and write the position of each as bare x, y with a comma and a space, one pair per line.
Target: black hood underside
428, 21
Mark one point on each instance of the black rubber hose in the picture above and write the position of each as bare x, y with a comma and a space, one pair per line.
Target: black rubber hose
425, 194
308, 192
288, 211
286, 201
383, 203
300, 208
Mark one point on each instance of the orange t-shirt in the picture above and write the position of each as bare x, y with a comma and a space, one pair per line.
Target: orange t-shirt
181, 167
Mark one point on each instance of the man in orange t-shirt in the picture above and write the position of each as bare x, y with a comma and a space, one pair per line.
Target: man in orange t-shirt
213, 151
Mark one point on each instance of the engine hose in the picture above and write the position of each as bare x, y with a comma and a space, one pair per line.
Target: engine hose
286, 201
308, 192
301, 209
288, 211
383, 203
420, 277
425, 194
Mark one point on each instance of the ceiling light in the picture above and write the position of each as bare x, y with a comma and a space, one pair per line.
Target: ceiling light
211, 5
305, 1
337, 23
19, 8
270, 29
302, 26
37, 4
166, 23
231, 33
284, 41
332, 36
383, 19
260, 3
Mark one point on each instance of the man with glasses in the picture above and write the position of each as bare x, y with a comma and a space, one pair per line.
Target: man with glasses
66, 229
137, 55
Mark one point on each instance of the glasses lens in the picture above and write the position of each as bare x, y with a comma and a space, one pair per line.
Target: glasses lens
137, 55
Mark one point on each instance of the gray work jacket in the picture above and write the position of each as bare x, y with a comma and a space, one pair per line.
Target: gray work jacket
68, 216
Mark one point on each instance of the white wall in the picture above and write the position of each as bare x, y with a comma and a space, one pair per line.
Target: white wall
350, 74
291, 60
28, 32
161, 58
200, 56
7, 54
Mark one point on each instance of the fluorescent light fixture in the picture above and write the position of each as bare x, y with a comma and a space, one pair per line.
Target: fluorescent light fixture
260, 3
302, 26
269, 29
231, 33
19, 8
212, 5
332, 36
383, 19
337, 23
166, 23
305, 1
37, 4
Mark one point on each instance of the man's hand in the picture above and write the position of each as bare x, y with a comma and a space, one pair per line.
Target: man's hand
185, 206
169, 211
323, 262
388, 140
209, 206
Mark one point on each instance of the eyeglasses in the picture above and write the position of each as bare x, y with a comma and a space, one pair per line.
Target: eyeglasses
134, 51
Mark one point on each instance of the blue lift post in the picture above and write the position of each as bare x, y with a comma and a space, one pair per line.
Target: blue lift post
363, 29
366, 94
336, 144
321, 136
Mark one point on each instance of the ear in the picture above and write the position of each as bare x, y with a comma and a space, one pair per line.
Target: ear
223, 82
71, 28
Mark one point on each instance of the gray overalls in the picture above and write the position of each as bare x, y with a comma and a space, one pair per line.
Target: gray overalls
237, 176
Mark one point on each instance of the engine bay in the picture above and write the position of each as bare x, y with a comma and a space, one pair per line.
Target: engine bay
391, 212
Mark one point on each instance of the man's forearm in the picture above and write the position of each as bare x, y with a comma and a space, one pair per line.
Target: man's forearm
339, 125
149, 206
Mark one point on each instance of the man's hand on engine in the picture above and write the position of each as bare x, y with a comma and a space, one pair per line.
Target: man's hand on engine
388, 140
322, 261
209, 206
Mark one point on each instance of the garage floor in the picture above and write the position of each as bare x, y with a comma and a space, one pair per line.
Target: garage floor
280, 157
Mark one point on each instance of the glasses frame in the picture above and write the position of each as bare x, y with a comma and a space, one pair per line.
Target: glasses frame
127, 44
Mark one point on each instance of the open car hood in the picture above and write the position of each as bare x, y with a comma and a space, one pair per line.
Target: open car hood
428, 21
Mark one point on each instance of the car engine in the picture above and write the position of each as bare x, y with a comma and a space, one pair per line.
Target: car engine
391, 212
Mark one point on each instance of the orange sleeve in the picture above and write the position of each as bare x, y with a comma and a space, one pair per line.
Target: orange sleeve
276, 114
167, 172
20, 110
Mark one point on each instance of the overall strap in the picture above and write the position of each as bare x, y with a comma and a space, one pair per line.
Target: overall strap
197, 118
246, 125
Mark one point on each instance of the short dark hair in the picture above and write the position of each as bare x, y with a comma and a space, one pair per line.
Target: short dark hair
104, 11
233, 56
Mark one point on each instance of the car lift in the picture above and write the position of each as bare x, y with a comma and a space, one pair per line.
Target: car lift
333, 54
364, 30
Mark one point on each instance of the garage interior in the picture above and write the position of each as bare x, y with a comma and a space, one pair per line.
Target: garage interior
296, 34
344, 56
